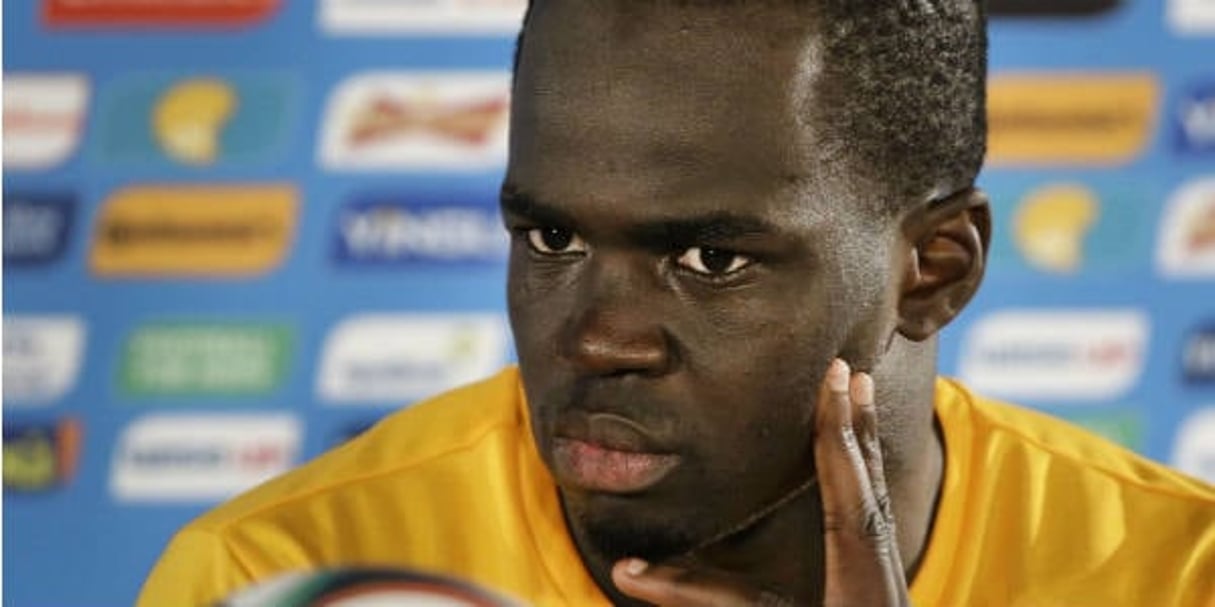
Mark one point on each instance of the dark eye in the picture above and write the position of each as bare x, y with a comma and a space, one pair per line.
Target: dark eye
555, 241
713, 262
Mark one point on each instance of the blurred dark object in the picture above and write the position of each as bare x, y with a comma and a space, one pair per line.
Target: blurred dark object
1050, 8
365, 587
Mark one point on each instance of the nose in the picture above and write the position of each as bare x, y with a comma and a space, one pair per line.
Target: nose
618, 328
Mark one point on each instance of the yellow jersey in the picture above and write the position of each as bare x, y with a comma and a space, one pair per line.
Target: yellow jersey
1032, 512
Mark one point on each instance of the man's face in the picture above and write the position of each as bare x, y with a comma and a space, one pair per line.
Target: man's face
686, 262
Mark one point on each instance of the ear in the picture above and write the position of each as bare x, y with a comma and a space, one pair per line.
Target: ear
948, 240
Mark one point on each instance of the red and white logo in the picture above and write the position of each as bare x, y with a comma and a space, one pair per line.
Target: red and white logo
169, 458
1055, 354
390, 359
1186, 245
421, 121
155, 13
377, 17
1194, 449
43, 118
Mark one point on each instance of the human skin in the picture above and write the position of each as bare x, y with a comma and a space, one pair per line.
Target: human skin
862, 566
687, 262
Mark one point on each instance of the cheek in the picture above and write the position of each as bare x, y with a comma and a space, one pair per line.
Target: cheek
772, 351
535, 309
769, 336
791, 377
763, 434
765, 369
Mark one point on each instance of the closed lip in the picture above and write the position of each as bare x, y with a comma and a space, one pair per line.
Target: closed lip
610, 431
607, 453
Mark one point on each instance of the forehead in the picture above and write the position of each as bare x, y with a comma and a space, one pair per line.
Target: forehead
648, 101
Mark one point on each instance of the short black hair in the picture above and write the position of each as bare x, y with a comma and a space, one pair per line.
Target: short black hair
903, 91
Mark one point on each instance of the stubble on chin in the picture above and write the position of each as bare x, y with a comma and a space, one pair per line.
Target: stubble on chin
616, 537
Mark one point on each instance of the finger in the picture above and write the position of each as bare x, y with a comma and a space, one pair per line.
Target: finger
844, 483
670, 586
865, 425
857, 535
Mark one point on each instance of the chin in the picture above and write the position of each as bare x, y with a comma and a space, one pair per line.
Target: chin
634, 526
617, 537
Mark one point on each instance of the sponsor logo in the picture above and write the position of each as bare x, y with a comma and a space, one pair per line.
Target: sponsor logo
199, 231
184, 358
196, 121
1066, 228
155, 13
1191, 17
36, 228
1124, 427
201, 457
390, 359
388, 231
423, 121
1194, 448
1070, 119
1056, 354
1196, 119
42, 356
1198, 358
372, 17
1051, 224
1186, 245
41, 457
43, 118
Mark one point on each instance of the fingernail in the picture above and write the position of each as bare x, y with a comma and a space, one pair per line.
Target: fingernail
635, 567
862, 390
837, 375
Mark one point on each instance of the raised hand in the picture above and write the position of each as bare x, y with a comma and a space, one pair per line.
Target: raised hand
863, 567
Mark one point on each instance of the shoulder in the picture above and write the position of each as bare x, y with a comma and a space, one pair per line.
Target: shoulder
1065, 445
412, 445
421, 489
1068, 513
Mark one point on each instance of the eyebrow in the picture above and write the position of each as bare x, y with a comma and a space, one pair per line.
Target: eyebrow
714, 226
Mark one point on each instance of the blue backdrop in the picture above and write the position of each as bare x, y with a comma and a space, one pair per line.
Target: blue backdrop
233, 237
